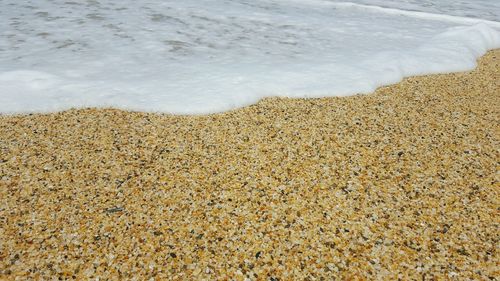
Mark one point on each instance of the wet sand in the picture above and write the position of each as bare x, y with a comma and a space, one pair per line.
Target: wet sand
403, 183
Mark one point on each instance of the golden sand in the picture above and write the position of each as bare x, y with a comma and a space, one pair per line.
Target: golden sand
403, 183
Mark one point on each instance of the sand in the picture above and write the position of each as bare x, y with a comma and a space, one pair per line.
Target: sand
403, 183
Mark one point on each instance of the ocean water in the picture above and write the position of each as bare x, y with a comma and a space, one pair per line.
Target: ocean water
206, 56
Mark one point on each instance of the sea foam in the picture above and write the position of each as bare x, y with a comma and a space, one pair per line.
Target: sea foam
206, 56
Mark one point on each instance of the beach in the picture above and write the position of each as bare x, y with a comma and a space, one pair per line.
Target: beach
399, 184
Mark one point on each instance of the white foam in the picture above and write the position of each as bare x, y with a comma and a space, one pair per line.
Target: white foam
205, 56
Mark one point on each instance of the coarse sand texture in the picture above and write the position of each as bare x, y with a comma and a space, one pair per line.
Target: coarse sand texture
400, 184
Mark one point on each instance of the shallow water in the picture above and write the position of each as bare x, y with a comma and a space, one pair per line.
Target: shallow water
482, 9
208, 56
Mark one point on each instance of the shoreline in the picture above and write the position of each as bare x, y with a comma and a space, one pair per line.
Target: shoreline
401, 183
132, 111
